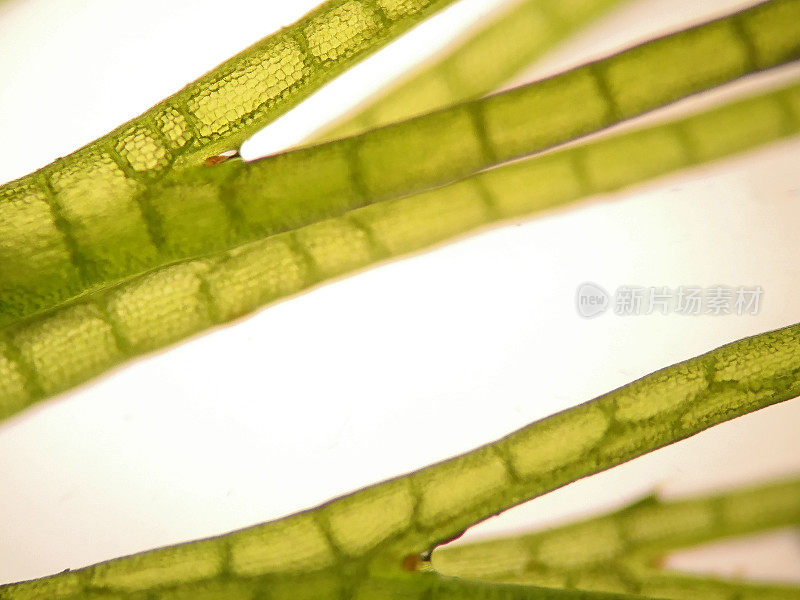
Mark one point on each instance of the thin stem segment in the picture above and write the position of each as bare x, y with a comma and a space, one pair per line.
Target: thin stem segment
622, 551
368, 536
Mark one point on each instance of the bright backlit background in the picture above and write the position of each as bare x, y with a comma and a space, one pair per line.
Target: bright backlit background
396, 367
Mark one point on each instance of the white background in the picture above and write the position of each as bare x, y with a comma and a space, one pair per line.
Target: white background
396, 367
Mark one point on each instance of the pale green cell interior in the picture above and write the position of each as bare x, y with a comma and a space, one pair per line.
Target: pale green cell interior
680, 384
657, 72
98, 201
168, 566
539, 116
188, 217
774, 30
294, 544
254, 275
141, 148
342, 30
743, 126
525, 187
151, 303
409, 224
50, 347
14, 395
455, 485
539, 449
29, 235
295, 189
358, 526
336, 246
620, 161
396, 160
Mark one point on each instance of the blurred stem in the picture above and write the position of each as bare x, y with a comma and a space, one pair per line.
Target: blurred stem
622, 551
490, 54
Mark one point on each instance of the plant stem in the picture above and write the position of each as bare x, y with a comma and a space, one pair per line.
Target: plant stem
499, 48
371, 534
99, 235
67, 346
621, 551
